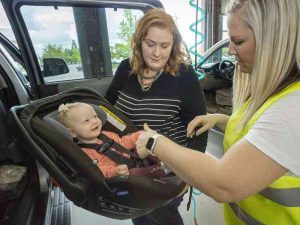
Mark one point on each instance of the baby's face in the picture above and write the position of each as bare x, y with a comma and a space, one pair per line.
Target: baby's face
84, 123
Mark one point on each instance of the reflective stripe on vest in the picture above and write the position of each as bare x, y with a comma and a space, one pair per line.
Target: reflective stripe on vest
289, 197
279, 203
243, 216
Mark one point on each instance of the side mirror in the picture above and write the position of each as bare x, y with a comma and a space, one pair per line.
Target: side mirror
54, 66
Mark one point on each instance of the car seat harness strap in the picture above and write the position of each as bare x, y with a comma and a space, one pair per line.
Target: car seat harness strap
107, 148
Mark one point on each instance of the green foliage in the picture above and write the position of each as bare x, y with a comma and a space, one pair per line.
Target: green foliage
127, 26
118, 51
53, 51
126, 29
71, 55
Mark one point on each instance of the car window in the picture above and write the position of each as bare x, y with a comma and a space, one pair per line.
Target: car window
79, 42
218, 56
16, 64
5, 27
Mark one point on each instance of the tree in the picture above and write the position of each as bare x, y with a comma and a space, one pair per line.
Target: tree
57, 51
53, 51
127, 26
72, 55
74, 44
126, 29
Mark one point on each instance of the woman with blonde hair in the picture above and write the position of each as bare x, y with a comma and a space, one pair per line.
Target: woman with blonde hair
158, 86
258, 177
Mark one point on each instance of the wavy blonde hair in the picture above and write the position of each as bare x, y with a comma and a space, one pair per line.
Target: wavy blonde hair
275, 24
157, 18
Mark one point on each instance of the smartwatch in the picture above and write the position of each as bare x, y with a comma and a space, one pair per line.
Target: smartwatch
151, 143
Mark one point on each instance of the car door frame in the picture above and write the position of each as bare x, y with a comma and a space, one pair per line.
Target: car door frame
39, 87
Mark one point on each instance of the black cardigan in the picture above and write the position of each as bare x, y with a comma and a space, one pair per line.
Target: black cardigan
180, 94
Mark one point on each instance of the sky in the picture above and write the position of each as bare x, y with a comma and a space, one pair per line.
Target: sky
183, 14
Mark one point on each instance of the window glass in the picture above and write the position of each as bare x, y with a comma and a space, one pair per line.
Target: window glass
219, 55
5, 27
17, 65
79, 42
225, 29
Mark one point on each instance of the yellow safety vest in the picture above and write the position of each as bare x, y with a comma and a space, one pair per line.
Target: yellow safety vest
277, 204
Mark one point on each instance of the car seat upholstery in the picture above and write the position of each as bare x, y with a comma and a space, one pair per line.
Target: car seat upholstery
12, 176
121, 197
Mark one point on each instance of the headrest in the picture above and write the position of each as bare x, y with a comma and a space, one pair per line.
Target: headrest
51, 119
101, 113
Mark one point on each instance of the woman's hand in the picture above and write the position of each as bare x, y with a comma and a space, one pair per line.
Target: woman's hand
122, 170
200, 124
142, 141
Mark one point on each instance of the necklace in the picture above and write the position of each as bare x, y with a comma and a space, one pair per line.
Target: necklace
149, 78
146, 87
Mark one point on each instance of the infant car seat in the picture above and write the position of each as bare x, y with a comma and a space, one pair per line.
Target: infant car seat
121, 197
137, 167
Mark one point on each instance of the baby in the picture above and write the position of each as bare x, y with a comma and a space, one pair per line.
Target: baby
84, 124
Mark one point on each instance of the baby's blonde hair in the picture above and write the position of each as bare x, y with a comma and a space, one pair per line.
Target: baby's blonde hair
63, 111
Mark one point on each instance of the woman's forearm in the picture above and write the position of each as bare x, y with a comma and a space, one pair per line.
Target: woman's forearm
195, 168
229, 179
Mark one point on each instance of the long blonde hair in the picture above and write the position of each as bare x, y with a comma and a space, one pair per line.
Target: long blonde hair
157, 18
275, 24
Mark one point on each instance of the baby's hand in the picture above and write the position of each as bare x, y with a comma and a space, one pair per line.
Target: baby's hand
122, 170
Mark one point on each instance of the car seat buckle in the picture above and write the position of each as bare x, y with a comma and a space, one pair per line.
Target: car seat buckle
106, 145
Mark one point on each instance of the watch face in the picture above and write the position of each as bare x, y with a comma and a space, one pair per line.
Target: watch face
150, 143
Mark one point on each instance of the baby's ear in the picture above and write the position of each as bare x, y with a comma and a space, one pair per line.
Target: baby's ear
72, 133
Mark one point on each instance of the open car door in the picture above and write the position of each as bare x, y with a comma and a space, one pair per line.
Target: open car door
75, 43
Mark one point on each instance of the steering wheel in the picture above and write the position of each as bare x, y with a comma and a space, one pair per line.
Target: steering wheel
226, 69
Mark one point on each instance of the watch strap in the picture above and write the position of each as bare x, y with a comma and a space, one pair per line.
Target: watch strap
154, 137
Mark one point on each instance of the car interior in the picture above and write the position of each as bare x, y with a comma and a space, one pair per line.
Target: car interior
217, 82
16, 172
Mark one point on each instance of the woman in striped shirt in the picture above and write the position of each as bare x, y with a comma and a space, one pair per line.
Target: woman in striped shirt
158, 86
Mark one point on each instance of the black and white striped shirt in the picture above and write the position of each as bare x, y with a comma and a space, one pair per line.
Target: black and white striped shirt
167, 107
161, 114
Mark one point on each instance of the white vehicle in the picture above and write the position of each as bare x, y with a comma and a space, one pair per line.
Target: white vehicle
218, 68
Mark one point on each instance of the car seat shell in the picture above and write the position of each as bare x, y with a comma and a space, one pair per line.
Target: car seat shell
121, 197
